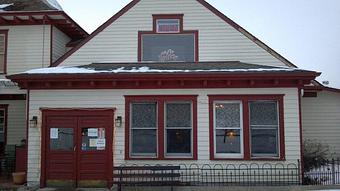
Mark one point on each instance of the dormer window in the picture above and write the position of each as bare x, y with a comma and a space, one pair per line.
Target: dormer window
168, 42
3, 51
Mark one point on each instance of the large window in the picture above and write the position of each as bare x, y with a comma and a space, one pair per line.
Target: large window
3, 118
3, 49
228, 128
264, 125
247, 127
168, 47
161, 127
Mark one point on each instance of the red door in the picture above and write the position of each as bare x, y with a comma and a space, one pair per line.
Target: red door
78, 149
60, 151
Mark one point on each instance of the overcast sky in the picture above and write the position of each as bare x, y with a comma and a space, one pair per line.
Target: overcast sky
306, 32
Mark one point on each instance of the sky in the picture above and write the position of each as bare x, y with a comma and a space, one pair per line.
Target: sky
306, 32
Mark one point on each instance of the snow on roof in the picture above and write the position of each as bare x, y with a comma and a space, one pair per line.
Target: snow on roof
144, 69
55, 4
2, 6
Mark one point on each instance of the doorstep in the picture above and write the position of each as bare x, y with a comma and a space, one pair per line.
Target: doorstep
76, 189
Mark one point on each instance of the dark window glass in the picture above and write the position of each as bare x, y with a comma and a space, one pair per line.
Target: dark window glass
264, 128
167, 48
64, 140
178, 141
228, 141
264, 141
144, 142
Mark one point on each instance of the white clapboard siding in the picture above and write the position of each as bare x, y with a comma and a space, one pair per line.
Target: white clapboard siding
16, 121
115, 98
28, 47
321, 119
218, 41
59, 41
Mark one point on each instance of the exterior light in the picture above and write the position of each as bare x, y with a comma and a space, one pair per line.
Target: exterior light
34, 122
118, 121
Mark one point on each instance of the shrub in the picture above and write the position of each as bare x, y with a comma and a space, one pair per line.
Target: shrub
315, 154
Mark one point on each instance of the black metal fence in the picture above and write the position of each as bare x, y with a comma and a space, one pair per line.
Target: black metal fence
327, 174
254, 174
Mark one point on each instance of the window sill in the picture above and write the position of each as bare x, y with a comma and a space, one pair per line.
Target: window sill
252, 159
167, 159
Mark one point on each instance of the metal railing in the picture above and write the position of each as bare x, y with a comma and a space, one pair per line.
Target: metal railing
253, 174
327, 174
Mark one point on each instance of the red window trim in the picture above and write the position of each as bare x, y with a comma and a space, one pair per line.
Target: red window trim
156, 17
5, 108
154, 31
5, 33
246, 128
160, 99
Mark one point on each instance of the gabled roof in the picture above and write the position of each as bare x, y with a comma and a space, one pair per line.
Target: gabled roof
30, 5
53, 17
205, 4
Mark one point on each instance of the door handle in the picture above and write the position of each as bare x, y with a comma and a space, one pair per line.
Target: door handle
74, 148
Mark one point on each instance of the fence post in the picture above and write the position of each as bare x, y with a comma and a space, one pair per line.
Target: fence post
333, 171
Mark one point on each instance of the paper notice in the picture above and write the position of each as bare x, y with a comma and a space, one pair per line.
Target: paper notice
92, 132
100, 144
93, 142
54, 133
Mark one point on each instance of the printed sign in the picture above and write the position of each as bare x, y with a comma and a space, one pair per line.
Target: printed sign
92, 132
54, 132
93, 142
100, 144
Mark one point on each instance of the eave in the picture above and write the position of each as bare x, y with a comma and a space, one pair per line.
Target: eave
56, 18
163, 81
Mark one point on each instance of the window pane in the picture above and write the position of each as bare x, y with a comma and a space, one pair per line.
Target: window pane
178, 141
2, 62
93, 139
144, 142
144, 115
168, 25
227, 114
228, 141
178, 115
263, 113
166, 48
63, 141
264, 141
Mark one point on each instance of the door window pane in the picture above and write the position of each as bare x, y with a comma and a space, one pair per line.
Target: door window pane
264, 128
93, 139
166, 48
62, 140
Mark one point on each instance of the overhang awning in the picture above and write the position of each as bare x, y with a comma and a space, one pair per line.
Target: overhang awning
163, 75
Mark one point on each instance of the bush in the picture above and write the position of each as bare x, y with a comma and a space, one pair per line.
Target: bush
315, 154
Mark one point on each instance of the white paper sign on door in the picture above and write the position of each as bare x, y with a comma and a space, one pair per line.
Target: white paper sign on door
100, 144
92, 132
93, 142
54, 133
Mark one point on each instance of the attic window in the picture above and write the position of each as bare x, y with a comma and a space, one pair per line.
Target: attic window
168, 23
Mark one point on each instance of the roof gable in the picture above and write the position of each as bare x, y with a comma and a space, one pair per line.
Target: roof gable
207, 6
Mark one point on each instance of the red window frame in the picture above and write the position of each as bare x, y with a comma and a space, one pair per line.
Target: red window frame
161, 100
5, 33
245, 99
156, 17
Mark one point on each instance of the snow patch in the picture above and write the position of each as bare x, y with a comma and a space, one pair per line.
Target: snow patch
55, 4
2, 6
142, 69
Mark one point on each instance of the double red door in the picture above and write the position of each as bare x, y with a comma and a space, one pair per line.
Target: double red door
78, 150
